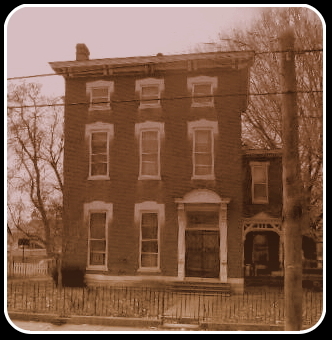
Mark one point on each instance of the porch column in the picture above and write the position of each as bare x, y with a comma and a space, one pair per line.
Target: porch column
223, 239
181, 240
281, 251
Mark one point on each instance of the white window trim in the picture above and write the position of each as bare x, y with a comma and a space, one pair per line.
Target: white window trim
149, 126
152, 82
199, 80
149, 207
266, 166
203, 124
98, 207
99, 127
96, 84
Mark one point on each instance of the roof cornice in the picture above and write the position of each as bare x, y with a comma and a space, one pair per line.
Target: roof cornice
146, 64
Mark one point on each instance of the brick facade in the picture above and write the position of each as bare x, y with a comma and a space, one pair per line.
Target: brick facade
123, 188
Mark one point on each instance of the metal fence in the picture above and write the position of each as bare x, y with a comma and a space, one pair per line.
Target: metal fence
260, 307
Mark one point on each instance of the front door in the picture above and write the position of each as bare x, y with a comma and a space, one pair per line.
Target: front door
202, 253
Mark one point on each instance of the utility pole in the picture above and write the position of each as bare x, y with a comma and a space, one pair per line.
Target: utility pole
292, 207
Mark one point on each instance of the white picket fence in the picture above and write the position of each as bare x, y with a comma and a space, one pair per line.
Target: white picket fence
27, 269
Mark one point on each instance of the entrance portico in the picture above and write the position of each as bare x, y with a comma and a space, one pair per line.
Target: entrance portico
202, 238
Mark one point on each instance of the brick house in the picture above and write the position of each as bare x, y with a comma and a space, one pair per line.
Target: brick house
153, 166
263, 236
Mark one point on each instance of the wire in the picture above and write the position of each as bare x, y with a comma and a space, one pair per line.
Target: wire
170, 98
122, 66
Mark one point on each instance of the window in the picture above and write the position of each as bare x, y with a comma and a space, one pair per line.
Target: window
98, 215
150, 216
99, 136
150, 135
149, 240
99, 93
203, 153
202, 94
259, 183
149, 90
202, 90
202, 133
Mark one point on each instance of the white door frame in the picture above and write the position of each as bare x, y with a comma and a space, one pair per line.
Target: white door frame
202, 196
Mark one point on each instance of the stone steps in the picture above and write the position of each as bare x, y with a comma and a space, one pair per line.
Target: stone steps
201, 287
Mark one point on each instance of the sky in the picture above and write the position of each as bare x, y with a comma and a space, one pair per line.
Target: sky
38, 35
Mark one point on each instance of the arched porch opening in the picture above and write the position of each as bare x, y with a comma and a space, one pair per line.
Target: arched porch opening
262, 252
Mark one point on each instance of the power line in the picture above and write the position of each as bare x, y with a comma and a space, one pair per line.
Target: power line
122, 66
163, 99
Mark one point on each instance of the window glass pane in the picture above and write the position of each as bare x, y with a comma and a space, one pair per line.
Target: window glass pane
149, 260
149, 220
203, 159
149, 169
259, 174
97, 246
203, 136
99, 158
260, 191
149, 226
150, 141
149, 246
202, 93
98, 137
97, 259
97, 225
196, 218
100, 92
150, 233
150, 92
203, 141
99, 142
203, 170
99, 169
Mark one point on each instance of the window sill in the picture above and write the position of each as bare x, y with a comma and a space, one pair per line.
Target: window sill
103, 268
206, 178
202, 105
100, 108
148, 270
260, 202
149, 106
153, 178
98, 178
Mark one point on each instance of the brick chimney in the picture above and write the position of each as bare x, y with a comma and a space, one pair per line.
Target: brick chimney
82, 52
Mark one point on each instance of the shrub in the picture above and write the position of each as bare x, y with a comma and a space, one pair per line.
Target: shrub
71, 277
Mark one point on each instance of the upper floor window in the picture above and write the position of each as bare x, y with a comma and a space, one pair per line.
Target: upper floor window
98, 216
99, 136
202, 90
150, 135
259, 182
202, 133
99, 93
149, 90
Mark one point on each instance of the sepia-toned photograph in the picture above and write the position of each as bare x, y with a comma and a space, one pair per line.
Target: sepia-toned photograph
165, 169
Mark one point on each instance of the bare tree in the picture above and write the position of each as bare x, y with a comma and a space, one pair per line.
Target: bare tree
261, 123
35, 149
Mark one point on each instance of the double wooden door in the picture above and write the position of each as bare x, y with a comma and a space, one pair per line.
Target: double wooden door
202, 253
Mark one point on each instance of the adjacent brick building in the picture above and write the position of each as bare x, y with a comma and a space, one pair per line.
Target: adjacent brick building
154, 167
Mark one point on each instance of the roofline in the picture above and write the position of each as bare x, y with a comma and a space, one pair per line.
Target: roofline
247, 56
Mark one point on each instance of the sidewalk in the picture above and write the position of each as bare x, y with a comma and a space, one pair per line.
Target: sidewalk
94, 323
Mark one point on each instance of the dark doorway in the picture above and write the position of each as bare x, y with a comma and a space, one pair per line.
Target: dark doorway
262, 249
202, 253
